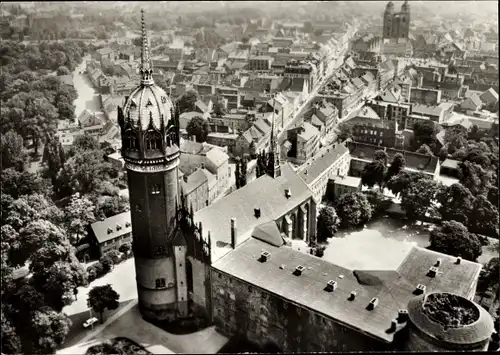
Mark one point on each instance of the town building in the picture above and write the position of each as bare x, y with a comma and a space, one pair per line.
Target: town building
374, 131
111, 233
305, 141
331, 161
343, 184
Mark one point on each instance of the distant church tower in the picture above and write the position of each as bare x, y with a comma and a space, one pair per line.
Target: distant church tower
150, 149
396, 25
273, 156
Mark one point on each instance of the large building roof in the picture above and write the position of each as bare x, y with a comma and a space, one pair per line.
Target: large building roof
310, 171
265, 193
112, 227
393, 288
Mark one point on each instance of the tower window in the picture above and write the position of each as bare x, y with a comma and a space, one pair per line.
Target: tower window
155, 189
160, 283
153, 141
130, 141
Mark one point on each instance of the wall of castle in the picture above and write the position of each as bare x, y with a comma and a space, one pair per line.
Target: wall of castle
242, 308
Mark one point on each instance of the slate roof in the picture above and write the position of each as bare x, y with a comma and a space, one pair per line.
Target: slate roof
490, 96
311, 170
269, 233
194, 181
265, 193
308, 131
100, 228
393, 288
217, 156
350, 181
292, 84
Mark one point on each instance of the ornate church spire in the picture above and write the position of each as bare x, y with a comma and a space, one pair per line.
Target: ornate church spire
146, 69
273, 157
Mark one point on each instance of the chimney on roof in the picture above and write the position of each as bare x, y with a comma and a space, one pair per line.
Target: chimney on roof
373, 304
331, 286
288, 193
110, 230
256, 212
264, 256
433, 271
298, 270
193, 138
352, 296
419, 290
402, 315
127, 224
394, 326
118, 227
438, 262
234, 241
185, 178
459, 260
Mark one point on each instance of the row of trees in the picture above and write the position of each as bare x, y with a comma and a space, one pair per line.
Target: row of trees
240, 174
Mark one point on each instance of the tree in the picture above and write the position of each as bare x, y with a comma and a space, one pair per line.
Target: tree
11, 344
374, 173
425, 149
327, 223
353, 209
456, 203
79, 214
424, 133
102, 298
125, 248
243, 171
85, 143
107, 263
186, 102
111, 206
489, 279
218, 108
484, 217
399, 183
344, 131
237, 174
474, 177
454, 239
493, 196
16, 184
30, 208
63, 71
48, 338
397, 165
418, 200
13, 152
198, 127
114, 255
381, 155
455, 138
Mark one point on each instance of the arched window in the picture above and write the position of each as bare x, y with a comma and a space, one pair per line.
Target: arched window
130, 141
153, 140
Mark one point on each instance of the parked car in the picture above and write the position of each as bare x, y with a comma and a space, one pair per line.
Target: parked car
90, 322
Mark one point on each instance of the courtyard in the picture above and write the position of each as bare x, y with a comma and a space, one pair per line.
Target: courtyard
381, 244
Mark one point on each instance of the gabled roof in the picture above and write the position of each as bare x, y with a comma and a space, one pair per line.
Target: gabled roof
195, 180
310, 171
117, 225
217, 156
269, 233
490, 96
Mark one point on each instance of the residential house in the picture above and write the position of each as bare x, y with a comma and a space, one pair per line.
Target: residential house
105, 53
343, 184
326, 115
90, 124
305, 141
195, 189
111, 233
437, 113
328, 163
260, 63
425, 96
373, 131
472, 103
490, 99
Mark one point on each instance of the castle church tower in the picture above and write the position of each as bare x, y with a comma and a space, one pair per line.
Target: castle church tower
150, 149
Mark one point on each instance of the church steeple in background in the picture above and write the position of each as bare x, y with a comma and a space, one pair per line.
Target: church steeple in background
145, 69
273, 168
